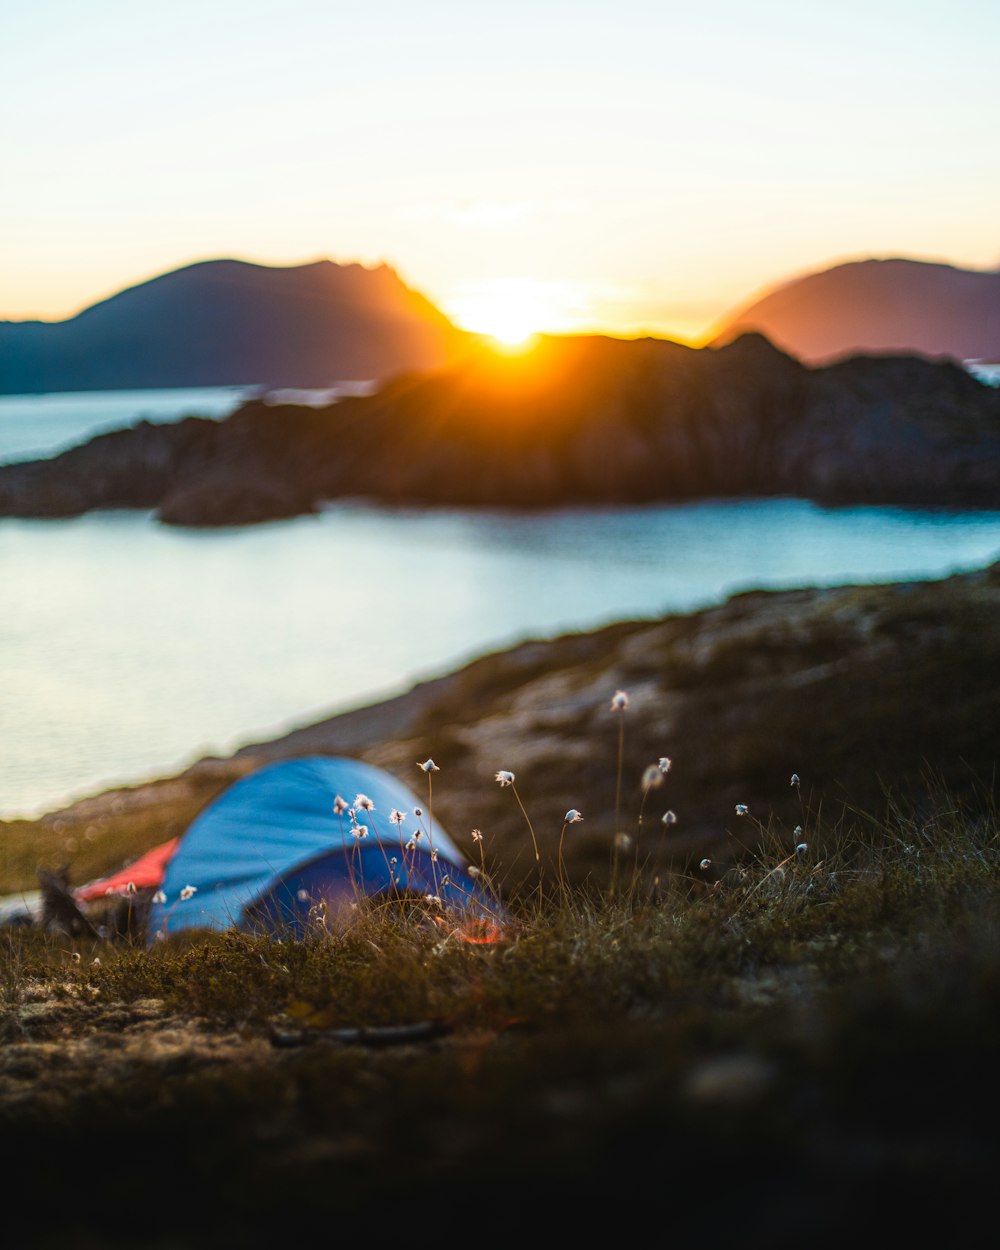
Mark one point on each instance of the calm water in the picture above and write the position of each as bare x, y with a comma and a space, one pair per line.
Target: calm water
129, 649
32, 426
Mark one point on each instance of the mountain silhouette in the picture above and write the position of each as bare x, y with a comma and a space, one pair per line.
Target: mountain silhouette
877, 307
225, 322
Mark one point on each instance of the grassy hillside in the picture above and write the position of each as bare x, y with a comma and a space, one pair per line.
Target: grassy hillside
755, 1025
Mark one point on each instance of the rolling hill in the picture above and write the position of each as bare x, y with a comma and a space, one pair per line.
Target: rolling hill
877, 307
224, 322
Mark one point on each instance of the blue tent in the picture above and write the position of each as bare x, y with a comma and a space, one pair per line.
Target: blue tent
271, 854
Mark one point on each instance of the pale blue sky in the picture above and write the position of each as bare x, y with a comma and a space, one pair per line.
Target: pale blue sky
631, 165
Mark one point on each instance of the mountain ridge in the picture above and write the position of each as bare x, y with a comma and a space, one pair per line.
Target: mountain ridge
231, 322
876, 306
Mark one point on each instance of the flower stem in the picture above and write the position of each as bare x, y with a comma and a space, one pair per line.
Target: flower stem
534, 841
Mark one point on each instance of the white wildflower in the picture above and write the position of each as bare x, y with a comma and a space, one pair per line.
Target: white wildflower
572, 817
652, 777
505, 778
189, 891
428, 766
619, 701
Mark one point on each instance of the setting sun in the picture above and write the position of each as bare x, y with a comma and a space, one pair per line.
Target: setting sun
513, 310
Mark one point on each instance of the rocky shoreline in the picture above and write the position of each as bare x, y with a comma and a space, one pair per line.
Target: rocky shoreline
869, 693
577, 420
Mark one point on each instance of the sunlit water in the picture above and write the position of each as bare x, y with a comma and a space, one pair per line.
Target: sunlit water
128, 649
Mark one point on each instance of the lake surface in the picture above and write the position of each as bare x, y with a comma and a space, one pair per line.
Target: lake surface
33, 426
129, 649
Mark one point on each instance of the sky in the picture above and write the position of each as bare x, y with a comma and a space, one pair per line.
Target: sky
627, 167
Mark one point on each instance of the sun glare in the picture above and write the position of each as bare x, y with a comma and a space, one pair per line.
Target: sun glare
514, 310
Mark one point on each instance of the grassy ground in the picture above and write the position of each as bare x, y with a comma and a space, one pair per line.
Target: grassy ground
756, 1052
774, 1044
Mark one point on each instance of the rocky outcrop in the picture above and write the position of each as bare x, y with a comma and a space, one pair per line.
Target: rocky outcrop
578, 420
867, 693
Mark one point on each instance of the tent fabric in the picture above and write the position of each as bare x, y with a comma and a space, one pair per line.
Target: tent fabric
145, 873
322, 888
279, 819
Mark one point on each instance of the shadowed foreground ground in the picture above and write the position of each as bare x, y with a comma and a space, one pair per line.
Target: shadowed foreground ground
779, 1046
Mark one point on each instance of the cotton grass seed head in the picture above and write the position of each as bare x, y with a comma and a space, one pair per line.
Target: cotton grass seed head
802, 849
797, 831
477, 835
669, 818
189, 891
741, 809
396, 816
573, 817
159, 897
339, 806
796, 780
364, 803
505, 778
360, 832
665, 764
619, 701
622, 841
705, 865
428, 766
652, 777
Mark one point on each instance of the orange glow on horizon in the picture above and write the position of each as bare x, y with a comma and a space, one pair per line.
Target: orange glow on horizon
513, 310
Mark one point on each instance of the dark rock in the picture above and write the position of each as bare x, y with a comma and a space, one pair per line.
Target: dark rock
578, 420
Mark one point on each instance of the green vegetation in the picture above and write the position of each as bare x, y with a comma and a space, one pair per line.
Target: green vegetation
827, 1012
753, 1021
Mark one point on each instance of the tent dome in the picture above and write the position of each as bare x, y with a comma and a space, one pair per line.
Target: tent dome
270, 850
